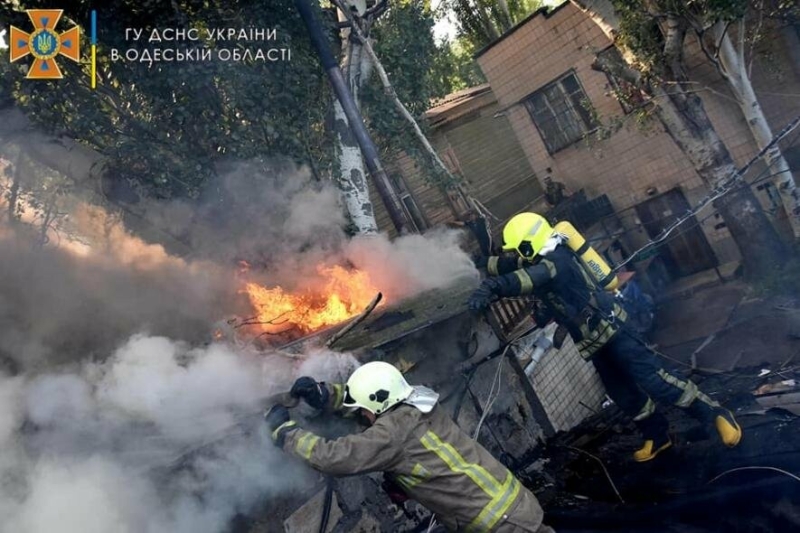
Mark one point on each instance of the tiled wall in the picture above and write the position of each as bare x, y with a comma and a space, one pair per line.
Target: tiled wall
562, 380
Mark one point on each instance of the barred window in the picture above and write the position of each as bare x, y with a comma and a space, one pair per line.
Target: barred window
561, 112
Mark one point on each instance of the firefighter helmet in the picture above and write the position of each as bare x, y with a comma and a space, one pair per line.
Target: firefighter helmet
526, 233
376, 386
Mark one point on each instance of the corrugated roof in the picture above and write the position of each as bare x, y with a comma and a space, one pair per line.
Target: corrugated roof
453, 100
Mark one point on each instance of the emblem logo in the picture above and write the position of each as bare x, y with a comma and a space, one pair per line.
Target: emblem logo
45, 44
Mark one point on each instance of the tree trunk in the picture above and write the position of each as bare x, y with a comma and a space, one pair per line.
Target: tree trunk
352, 178
685, 119
733, 68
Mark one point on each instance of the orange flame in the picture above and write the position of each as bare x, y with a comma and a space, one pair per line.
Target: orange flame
341, 294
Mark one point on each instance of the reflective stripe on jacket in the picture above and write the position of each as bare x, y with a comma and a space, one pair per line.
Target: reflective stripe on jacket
436, 463
567, 293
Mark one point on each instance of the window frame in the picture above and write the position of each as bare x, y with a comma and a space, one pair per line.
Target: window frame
584, 120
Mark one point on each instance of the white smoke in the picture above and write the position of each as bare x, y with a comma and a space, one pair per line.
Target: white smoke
105, 429
412, 263
159, 437
286, 224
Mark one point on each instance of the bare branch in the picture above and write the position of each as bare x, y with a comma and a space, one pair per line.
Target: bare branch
618, 69
390, 91
755, 38
742, 60
721, 37
358, 320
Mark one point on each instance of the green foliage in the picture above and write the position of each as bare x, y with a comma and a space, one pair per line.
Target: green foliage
165, 126
454, 68
404, 43
481, 21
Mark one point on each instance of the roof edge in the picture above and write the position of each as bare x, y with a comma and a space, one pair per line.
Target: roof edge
546, 11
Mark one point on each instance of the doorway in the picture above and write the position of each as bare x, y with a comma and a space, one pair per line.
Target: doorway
687, 250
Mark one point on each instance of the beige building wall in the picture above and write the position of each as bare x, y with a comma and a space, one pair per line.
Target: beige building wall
631, 161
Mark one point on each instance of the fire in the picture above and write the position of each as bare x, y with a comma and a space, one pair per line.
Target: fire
341, 294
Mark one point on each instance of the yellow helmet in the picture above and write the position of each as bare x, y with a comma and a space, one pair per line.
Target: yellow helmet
526, 233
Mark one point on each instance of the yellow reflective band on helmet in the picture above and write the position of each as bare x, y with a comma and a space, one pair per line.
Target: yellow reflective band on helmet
645, 412
491, 265
285, 425
305, 445
525, 281
479, 475
418, 474
494, 511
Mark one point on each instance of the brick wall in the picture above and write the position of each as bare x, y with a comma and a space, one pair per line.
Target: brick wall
630, 162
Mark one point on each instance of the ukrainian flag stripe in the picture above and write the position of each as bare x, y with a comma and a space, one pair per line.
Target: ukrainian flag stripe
94, 49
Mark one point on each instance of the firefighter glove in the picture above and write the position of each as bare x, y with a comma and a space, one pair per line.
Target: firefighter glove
314, 393
483, 295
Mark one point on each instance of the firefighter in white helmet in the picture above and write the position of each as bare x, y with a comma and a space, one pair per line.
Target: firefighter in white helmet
411, 438
633, 375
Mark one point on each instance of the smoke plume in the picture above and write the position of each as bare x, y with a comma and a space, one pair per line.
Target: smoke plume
158, 437
116, 414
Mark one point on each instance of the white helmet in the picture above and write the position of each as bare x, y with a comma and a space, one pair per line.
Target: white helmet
376, 387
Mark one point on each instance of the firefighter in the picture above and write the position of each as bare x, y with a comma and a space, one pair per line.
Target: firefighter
412, 440
568, 294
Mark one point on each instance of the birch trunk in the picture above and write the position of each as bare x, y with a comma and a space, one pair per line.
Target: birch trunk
733, 68
684, 118
352, 179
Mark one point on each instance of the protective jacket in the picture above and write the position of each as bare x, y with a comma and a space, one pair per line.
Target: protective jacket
566, 292
432, 460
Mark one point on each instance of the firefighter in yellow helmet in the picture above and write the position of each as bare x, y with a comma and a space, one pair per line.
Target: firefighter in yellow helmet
632, 374
411, 438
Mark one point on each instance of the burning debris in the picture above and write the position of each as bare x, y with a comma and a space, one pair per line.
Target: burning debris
337, 295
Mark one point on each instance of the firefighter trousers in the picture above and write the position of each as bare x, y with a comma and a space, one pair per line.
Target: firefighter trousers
636, 380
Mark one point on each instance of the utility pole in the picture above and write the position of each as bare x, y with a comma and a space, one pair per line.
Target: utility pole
379, 177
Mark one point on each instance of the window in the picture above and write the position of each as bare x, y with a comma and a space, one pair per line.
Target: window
628, 96
561, 112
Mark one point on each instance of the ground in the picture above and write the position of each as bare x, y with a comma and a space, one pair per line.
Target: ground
731, 337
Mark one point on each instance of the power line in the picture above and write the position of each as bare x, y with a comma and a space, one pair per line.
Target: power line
721, 190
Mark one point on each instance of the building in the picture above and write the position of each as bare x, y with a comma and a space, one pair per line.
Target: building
478, 145
542, 77
538, 117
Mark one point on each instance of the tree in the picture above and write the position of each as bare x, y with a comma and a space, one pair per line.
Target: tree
454, 69
717, 24
351, 175
481, 22
652, 61
162, 130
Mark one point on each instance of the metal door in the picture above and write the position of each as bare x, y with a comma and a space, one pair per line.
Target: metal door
686, 250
